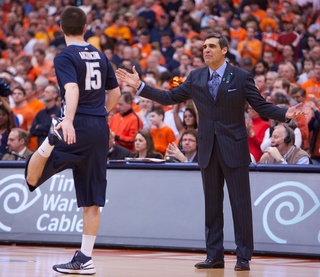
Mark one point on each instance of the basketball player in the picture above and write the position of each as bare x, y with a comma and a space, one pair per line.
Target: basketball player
79, 139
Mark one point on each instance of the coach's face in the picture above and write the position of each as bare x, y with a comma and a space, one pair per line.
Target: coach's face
213, 55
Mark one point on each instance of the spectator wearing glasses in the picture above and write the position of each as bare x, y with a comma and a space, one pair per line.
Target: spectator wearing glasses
189, 149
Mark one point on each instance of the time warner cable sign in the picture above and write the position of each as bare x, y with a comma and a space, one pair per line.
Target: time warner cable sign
161, 211
50, 208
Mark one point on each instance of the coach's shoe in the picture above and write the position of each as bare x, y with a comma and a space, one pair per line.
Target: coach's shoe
55, 135
242, 265
80, 264
208, 263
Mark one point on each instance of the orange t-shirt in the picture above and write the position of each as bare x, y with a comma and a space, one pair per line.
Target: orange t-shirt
312, 87
36, 105
25, 116
161, 138
126, 127
270, 41
145, 49
255, 51
238, 35
45, 68
119, 33
259, 14
303, 126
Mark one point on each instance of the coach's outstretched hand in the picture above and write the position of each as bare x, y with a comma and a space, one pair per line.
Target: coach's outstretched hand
128, 78
295, 111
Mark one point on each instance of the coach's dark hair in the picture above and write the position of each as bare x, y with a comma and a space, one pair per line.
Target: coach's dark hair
73, 20
223, 41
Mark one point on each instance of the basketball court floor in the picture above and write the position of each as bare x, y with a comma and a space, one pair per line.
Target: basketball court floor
35, 261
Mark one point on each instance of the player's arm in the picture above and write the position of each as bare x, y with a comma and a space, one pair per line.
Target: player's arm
71, 98
112, 98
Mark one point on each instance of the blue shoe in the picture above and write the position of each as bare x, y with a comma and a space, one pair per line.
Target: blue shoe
55, 136
80, 264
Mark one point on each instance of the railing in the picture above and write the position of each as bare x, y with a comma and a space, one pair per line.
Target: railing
161, 206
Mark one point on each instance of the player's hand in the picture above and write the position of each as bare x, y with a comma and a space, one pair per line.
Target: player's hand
68, 131
128, 78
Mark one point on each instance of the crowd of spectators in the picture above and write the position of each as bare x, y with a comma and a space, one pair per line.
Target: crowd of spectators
277, 40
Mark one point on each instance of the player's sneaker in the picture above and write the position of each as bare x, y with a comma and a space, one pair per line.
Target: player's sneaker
80, 264
55, 135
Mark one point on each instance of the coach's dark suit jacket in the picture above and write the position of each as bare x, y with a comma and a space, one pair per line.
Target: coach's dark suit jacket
223, 117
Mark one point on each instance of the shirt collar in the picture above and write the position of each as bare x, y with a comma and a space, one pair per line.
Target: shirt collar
190, 160
22, 151
220, 70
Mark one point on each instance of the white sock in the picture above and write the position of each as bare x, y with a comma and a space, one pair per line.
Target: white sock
87, 244
45, 148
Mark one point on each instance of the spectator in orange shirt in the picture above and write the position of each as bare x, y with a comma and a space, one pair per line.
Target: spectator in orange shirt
286, 12
236, 31
18, 46
282, 86
256, 11
246, 15
250, 47
27, 70
52, 26
42, 32
269, 36
31, 95
299, 95
95, 39
126, 123
312, 86
23, 112
144, 46
162, 134
309, 15
275, 5
43, 65
119, 30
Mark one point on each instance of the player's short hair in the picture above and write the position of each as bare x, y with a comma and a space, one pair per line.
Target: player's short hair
73, 20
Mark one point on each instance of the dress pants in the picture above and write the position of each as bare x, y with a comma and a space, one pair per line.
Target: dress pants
238, 186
